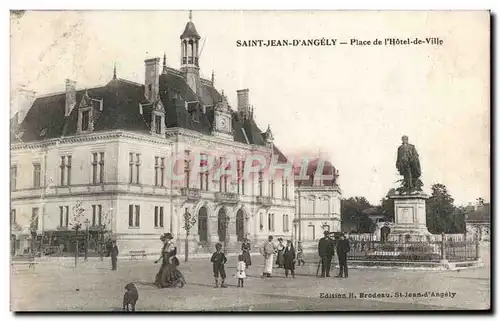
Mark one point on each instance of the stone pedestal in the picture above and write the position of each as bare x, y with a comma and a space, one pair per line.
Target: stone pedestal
409, 215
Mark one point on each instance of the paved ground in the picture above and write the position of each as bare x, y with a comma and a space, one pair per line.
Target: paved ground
58, 286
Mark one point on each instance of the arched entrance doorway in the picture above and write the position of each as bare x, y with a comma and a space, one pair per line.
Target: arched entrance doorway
222, 223
240, 225
203, 224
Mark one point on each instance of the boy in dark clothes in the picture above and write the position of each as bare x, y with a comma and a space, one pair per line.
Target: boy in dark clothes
219, 259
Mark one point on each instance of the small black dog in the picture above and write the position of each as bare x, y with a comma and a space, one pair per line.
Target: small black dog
130, 297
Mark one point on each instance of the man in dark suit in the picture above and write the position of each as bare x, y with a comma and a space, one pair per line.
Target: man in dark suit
343, 248
326, 251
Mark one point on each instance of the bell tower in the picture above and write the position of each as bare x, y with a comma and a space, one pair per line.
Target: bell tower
190, 40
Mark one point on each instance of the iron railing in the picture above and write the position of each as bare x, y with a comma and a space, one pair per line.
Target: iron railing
413, 251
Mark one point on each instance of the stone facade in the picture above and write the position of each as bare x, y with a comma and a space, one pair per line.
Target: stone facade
317, 202
257, 216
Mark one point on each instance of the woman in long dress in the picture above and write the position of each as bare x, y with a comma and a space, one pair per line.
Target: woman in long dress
164, 276
158, 279
281, 250
176, 277
245, 248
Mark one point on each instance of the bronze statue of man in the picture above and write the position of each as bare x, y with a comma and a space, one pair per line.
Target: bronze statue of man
408, 165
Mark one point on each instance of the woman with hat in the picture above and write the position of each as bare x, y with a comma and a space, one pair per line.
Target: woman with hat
164, 276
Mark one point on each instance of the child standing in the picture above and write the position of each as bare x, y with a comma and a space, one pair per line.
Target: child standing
218, 260
241, 270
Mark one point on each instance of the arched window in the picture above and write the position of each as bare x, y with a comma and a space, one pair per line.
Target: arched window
203, 224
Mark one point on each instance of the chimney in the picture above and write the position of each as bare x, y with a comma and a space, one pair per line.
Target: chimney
21, 103
70, 96
243, 103
152, 81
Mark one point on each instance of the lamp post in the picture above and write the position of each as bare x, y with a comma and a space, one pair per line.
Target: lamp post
189, 222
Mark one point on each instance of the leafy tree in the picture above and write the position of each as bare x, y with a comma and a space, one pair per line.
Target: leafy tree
440, 210
458, 221
353, 217
387, 206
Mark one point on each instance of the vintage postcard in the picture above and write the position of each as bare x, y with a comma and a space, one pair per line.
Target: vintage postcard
250, 160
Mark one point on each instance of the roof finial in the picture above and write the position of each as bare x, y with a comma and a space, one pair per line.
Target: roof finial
164, 63
213, 77
190, 15
114, 71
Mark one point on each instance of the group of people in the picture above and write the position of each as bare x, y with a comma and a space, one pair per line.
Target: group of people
286, 256
326, 251
219, 260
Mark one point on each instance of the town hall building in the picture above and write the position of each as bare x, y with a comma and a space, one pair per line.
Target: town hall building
98, 157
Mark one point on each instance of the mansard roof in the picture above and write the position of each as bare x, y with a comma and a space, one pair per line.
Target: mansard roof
121, 99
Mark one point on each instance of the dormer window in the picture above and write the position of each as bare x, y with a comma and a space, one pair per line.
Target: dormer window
158, 124
158, 119
87, 113
85, 120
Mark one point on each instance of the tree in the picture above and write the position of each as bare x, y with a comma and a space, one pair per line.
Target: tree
353, 217
76, 225
440, 210
458, 221
387, 206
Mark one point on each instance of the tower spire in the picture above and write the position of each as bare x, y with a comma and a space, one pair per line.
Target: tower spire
164, 63
190, 15
114, 71
213, 77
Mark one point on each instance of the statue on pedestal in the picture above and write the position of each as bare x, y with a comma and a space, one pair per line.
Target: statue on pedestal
408, 165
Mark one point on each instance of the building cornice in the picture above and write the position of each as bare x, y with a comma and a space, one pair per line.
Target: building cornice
203, 140
91, 137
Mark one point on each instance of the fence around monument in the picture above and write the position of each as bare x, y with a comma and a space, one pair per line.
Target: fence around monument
434, 251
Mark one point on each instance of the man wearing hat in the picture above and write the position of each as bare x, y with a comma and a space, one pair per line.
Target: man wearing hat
343, 248
326, 251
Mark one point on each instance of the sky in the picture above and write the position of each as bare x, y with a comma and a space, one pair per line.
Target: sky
352, 103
